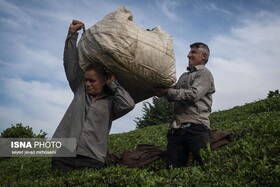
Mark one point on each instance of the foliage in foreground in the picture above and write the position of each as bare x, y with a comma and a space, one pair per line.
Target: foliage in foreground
252, 159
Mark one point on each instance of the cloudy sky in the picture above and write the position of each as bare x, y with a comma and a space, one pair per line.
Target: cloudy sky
243, 36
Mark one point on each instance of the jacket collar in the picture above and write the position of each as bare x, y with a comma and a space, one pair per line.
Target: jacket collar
196, 68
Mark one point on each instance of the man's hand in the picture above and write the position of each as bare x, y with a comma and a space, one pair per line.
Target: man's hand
76, 26
110, 77
160, 91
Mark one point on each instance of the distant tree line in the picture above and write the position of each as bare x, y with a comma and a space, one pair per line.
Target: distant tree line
273, 94
159, 112
20, 131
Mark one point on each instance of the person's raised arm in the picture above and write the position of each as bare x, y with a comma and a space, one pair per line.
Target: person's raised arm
72, 69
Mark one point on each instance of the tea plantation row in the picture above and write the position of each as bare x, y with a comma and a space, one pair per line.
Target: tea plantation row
252, 159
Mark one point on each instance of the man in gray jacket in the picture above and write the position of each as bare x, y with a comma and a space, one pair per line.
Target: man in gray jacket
192, 97
98, 100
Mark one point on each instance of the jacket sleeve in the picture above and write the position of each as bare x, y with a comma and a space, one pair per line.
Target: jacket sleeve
200, 86
71, 65
123, 102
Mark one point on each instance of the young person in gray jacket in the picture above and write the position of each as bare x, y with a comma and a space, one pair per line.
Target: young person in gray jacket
98, 100
192, 97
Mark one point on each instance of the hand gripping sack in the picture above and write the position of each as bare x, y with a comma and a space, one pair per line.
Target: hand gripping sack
140, 59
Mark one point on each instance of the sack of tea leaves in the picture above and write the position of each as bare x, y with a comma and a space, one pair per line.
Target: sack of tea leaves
141, 59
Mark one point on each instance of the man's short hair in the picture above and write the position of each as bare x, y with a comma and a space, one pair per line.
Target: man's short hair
98, 68
203, 48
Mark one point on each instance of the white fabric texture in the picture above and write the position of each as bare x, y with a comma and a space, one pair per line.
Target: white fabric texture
141, 59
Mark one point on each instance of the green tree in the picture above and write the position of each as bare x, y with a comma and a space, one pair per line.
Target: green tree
20, 131
273, 94
155, 114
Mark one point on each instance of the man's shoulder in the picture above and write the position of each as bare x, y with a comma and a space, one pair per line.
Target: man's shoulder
202, 68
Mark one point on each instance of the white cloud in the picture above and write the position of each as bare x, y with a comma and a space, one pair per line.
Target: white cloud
39, 63
245, 61
14, 17
28, 91
37, 104
168, 7
214, 7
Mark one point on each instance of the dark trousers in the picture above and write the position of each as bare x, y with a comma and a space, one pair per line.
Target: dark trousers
75, 163
183, 141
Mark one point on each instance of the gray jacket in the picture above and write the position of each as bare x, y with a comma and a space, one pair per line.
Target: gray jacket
89, 121
192, 96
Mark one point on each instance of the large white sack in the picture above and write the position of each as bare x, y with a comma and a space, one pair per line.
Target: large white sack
140, 59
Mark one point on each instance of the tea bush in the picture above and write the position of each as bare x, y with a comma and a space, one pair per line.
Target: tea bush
252, 159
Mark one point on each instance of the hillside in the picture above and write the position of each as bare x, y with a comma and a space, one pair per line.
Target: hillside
252, 159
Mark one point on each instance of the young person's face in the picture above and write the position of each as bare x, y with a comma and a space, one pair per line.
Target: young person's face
94, 83
196, 57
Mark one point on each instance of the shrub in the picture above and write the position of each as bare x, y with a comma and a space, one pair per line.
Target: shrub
19, 131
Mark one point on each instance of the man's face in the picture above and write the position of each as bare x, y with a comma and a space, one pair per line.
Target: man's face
196, 57
93, 83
